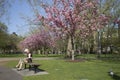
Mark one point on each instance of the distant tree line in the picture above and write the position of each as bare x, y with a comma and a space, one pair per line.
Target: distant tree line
8, 42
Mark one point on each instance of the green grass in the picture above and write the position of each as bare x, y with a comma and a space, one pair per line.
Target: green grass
63, 70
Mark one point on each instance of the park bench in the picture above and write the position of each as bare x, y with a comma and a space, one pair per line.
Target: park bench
32, 66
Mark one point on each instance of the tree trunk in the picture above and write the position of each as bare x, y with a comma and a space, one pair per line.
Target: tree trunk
70, 48
99, 44
119, 31
39, 52
95, 42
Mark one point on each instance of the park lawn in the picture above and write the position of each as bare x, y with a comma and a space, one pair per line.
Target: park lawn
64, 70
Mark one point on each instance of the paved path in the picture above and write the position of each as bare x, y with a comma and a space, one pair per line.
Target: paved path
8, 74
9, 59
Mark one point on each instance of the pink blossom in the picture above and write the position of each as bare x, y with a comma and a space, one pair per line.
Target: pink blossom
70, 17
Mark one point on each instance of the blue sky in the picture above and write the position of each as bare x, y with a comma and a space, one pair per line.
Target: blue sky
16, 23
18, 12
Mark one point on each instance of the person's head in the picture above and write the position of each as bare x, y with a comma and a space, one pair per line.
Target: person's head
26, 51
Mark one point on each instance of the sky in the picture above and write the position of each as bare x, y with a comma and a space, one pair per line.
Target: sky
16, 23
18, 13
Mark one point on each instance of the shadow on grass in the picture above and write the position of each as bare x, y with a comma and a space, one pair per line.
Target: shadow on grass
37, 70
116, 77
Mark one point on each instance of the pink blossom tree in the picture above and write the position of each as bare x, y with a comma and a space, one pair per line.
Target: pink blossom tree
37, 41
72, 18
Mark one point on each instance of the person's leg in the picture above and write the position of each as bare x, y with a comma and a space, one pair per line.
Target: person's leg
25, 60
18, 63
20, 67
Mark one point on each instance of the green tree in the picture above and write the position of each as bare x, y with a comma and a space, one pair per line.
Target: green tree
3, 35
8, 42
12, 43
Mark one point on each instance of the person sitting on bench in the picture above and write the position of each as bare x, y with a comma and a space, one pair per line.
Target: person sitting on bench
29, 56
26, 60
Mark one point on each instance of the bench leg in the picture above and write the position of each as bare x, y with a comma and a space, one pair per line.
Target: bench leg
30, 67
35, 69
